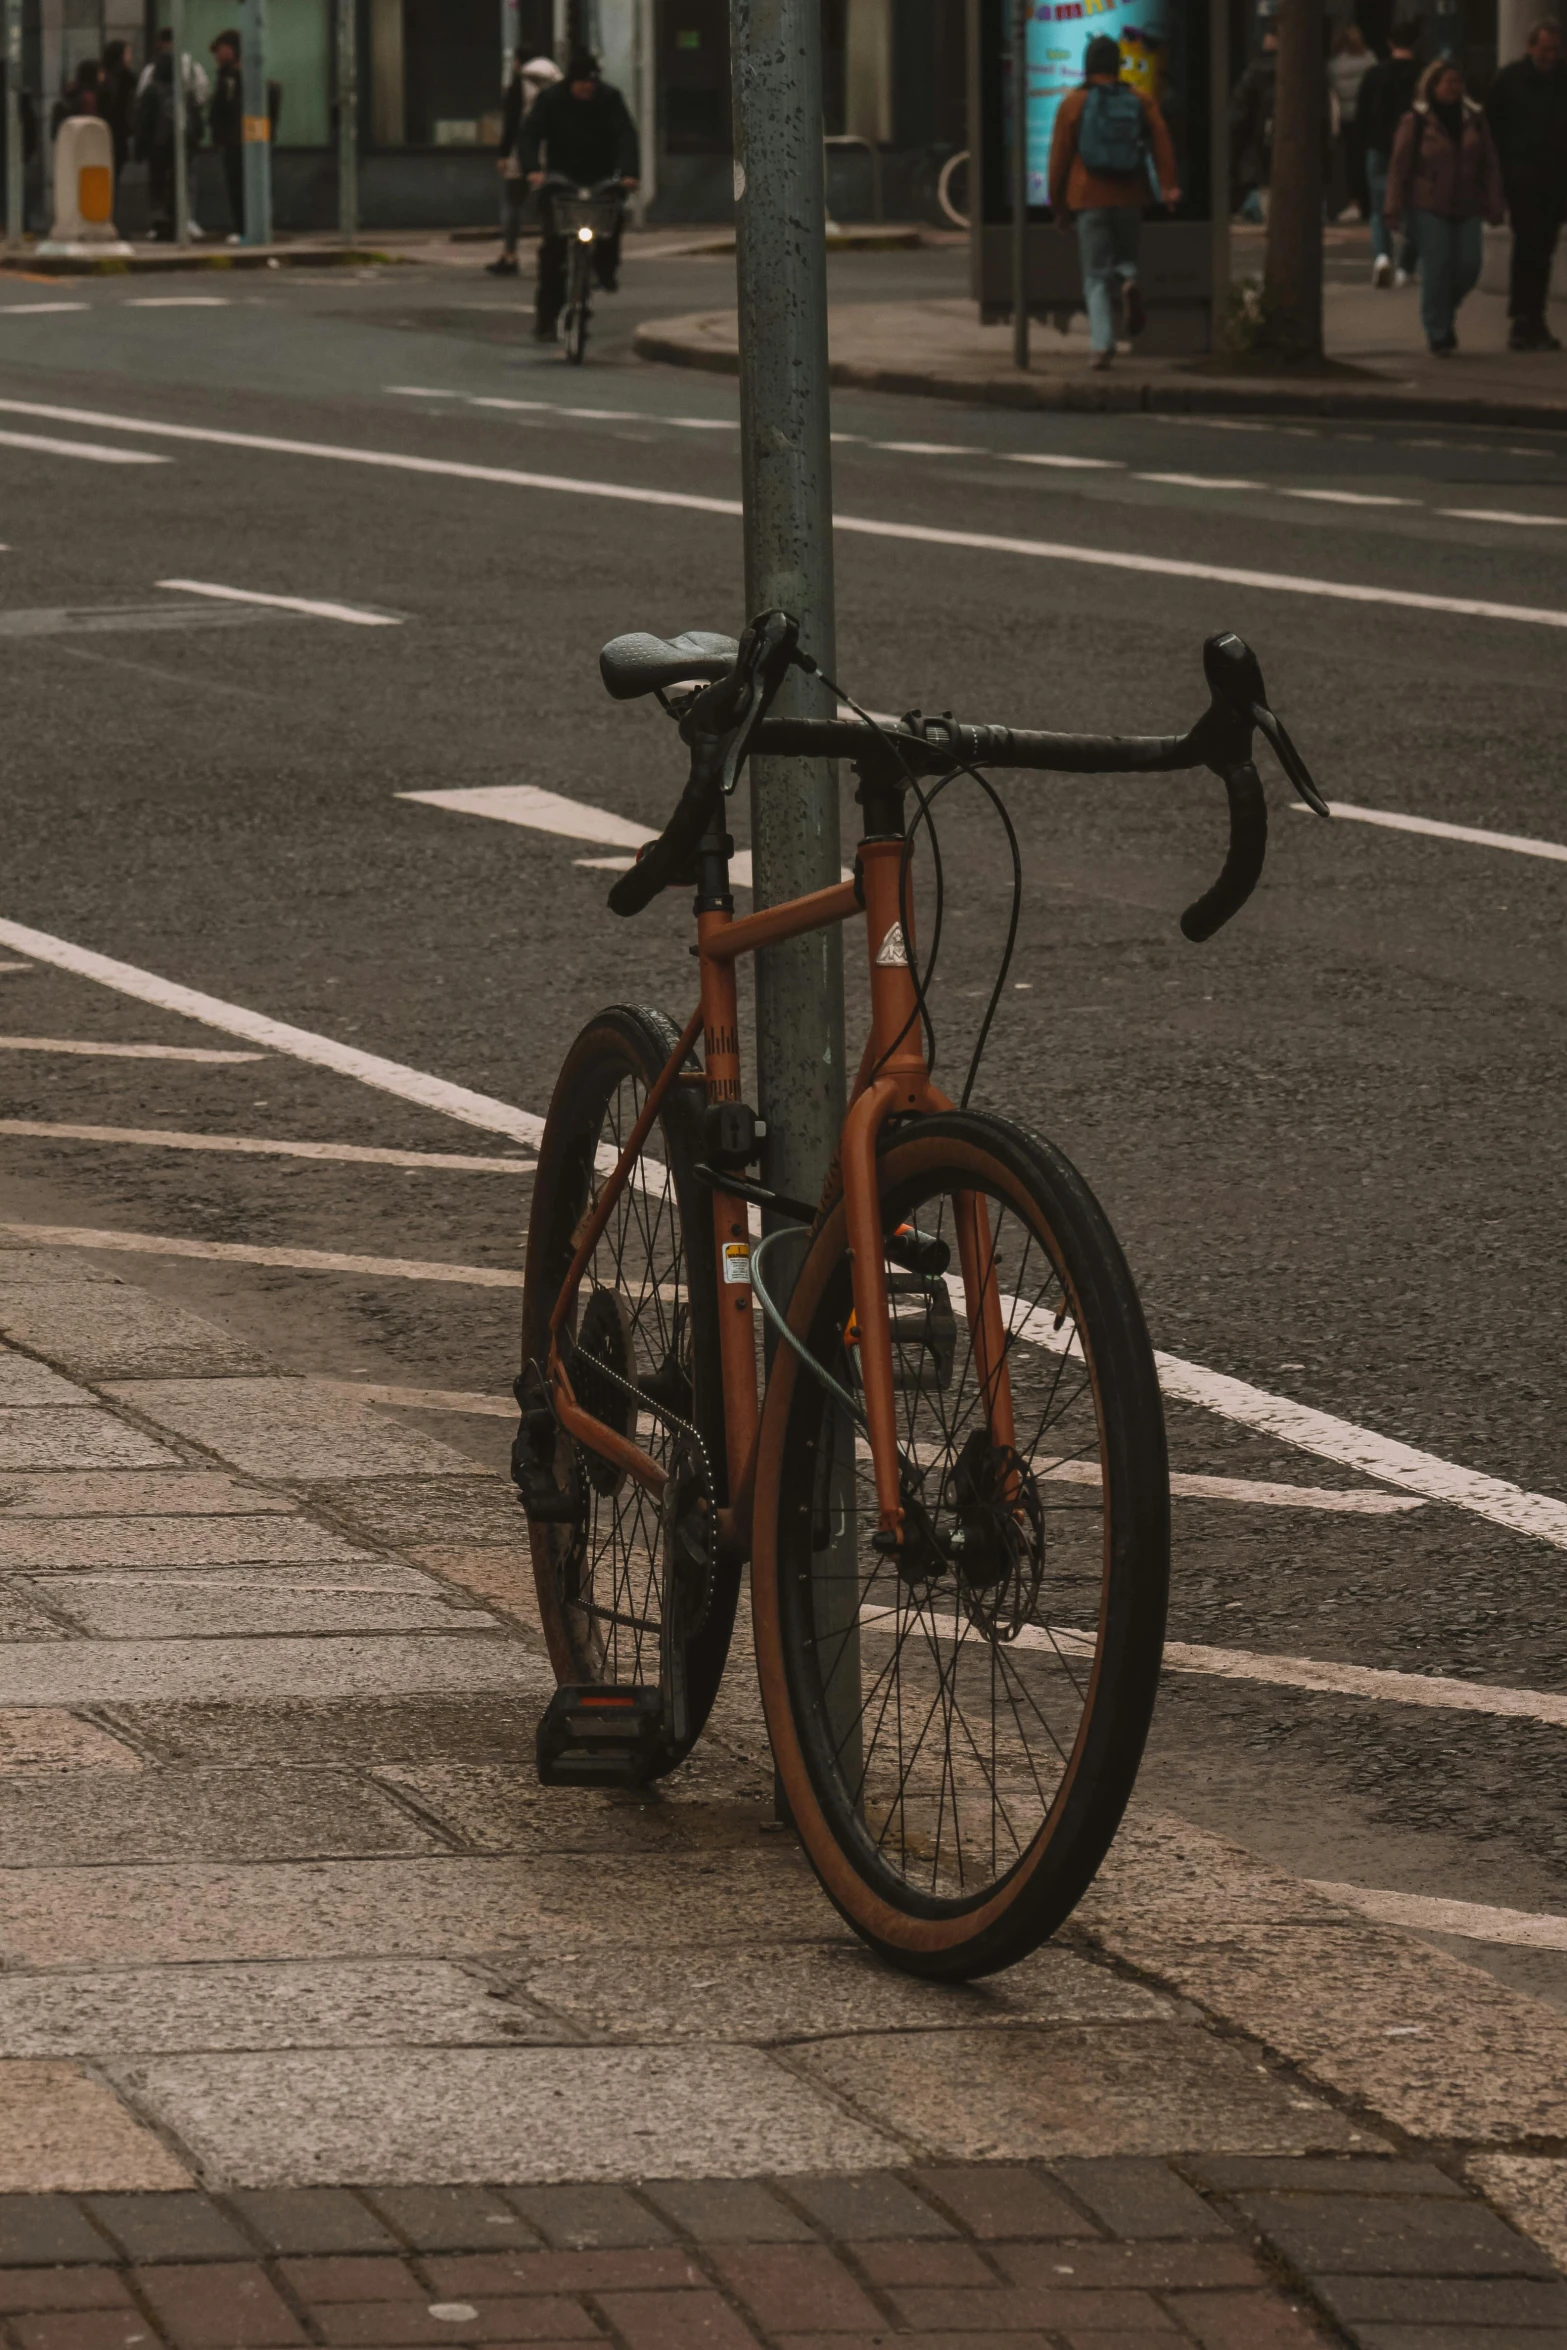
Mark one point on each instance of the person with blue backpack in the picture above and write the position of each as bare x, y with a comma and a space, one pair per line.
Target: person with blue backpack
1110, 147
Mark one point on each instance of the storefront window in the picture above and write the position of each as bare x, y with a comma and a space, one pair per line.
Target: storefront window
693, 72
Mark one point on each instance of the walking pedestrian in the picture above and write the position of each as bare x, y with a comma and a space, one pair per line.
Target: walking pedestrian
226, 123
528, 77
117, 99
1251, 128
581, 128
1527, 110
1446, 175
154, 130
1386, 96
1105, 138
1351, 61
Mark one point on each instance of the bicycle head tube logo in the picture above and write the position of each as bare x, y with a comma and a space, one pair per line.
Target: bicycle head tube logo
893, 953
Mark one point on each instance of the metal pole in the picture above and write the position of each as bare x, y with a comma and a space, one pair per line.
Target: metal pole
179, 70
1021, 11
348, 120
1219, 171
257, 127
13, 123
781, 282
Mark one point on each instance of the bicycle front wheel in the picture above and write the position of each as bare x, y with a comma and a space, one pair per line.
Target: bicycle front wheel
576, 323
633, 1590
958, 1728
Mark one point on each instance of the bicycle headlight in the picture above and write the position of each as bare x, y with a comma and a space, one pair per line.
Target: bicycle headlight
584, 236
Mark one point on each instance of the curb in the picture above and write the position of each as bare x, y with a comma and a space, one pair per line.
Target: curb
156, 261
1189, 395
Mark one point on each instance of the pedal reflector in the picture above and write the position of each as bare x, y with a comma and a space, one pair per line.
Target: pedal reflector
601, 1736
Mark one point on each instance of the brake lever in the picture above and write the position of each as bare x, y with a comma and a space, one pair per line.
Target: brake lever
1289, 758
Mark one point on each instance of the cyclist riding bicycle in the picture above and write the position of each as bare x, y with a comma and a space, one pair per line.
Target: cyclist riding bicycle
578, 130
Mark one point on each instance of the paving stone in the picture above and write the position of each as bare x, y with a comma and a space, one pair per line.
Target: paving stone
1028, 2339
728, 2211
344, 2276
442, 1906
44, 1739
59, 1544
24, 1382
1532, 2190
40, 2228
451, 2219
503, 2322
874, 2205
152, 2011
1135, 2198
238, 1602
290, 1430
1428, 2300
1141, 2089
81, 2329
136, 1493
491, 2276
500, 1807
943, 2261
995, 2201
23, 1618
76, 1438
781, 1993
475, 1510
1385, 2236
75, 2288
77, 1820
224, 2306
1153, 2266
22, 1267
1480, 2337
61, 2132
514, 2115
795, 2285
997, 2308
1245, 2321
305, 2220
131, 1672
108, 1329
175, 2227
582, 2219
366, 1731
1318, 2174
676, 2321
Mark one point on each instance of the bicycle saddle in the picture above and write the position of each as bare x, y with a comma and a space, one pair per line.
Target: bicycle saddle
643, 664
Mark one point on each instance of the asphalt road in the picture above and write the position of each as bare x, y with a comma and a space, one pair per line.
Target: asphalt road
1330, 1140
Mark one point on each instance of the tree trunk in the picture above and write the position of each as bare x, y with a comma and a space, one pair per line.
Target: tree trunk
1292, 279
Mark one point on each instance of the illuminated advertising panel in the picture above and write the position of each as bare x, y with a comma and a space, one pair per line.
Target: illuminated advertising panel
1058, 33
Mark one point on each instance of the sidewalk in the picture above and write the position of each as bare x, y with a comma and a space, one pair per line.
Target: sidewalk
938, 349
320, 2022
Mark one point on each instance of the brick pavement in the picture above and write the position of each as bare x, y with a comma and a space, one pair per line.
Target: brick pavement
320, 2023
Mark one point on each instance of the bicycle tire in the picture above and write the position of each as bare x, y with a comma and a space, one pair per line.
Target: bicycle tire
577, 311
647, 1313
1060, 1607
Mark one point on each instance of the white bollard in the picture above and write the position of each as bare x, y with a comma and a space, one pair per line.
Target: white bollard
83, 192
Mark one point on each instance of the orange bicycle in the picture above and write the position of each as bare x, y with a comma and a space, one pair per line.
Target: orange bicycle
951, 1481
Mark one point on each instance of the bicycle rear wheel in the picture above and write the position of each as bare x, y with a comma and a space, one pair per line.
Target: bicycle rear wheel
632, 1591
958, 1730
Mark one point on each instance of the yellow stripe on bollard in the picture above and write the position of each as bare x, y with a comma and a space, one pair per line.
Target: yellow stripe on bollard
257, 129
95, 192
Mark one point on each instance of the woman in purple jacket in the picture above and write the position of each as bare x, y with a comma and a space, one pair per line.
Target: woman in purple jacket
1446, 178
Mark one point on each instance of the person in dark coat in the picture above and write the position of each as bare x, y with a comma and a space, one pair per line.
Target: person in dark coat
1386, 95
117, 99
1251, 127
226, 124
1446, 177
1527, 110
582, 129
529, 76
80, 95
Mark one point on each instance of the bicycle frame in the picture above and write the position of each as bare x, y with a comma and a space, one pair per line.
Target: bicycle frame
893, 1080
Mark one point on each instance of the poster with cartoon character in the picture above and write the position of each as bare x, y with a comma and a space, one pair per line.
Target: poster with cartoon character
1058, 33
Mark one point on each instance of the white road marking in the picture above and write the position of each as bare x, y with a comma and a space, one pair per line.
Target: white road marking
487, 403
1496, 514
604, 415
16, 966
425, 1399
229, 1252
541, 811
39, 309
1397, 1464
1520, 843
1348, 498
1426, 1913
917, 534
265, 1147
176, 302
278, 1036
1192, 1485
118, 1052
353, 613
1199, 481
1287, 1672
1074, 464
700, 423
90, 450
929, 449
428, 392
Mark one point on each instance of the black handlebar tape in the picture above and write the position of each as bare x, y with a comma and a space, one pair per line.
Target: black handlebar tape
1244, 861
661, 865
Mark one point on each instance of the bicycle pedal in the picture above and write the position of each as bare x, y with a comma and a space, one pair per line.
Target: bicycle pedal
601, 1736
